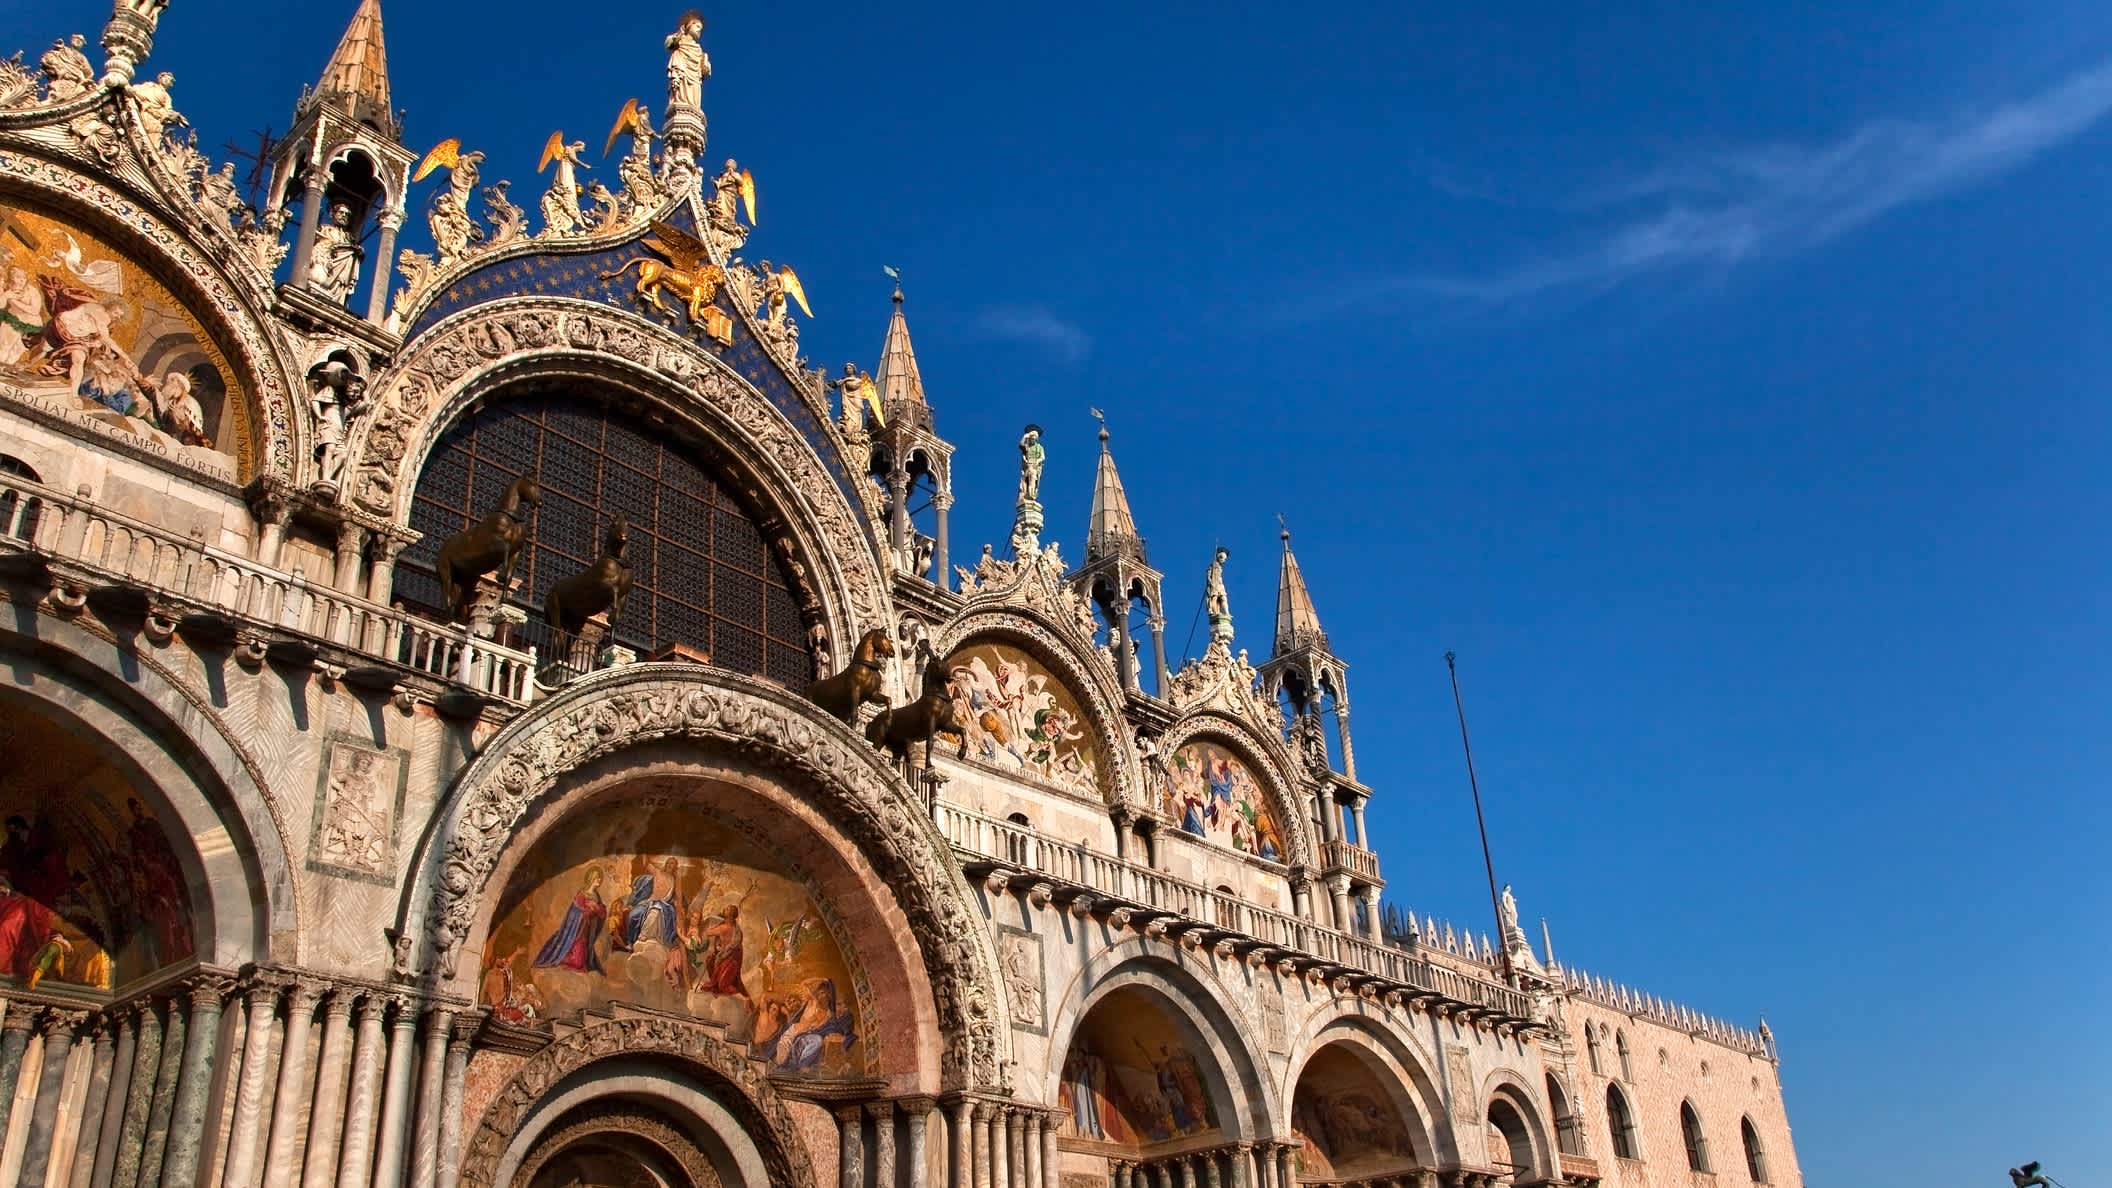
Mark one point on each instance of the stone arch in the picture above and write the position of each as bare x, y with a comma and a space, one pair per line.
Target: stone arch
476, 354
232, 311
1267, 760
1394, 1056
1089, 681
714, 713
1185, 985
1510, 1105
683, 1070
160, 734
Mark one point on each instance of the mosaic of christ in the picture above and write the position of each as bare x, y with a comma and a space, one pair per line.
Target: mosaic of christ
1213, 795
661, 905
84, 326
1021, 718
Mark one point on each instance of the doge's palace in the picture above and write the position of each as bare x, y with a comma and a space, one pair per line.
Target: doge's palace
489, 712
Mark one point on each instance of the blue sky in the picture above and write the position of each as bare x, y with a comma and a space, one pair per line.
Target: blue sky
1723, 383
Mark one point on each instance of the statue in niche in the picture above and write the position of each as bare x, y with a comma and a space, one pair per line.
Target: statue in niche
687, 63
337, 392
334, 270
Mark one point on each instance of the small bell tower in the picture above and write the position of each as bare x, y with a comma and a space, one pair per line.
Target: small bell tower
1304, 668
1116, 577
345, 165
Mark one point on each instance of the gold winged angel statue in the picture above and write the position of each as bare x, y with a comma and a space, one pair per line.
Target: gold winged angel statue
685, 271
561, 213
454, 230
641, 190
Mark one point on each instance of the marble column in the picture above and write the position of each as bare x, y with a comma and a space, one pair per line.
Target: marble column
14, 1040
1286, 1166
311, 219
883, 1113
389, 220
127, 1171
355, 1160
1373, 931
1338, 890
1211, 1179
351, 546
279, 1168
162, 1108
980, 1161
94, 1105
246, 1139
1051, 1161
916, 1113
453, 1083
104, 1154
396, 1099
326, 1117
1015, 1147
59, 1027
425, 1135
1121, 1174
1000, 1146
961, 1173
1032, 1129
1187, 1163
194, 1082
850, 1146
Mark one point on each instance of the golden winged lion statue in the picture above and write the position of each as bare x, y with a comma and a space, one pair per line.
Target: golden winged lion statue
684, 271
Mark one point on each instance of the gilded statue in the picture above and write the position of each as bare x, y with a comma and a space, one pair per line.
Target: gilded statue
495, 543
898, 729
860, 396
858, 684
641, 189
684, 271
605, 586
731, 191
561, 213
454, 229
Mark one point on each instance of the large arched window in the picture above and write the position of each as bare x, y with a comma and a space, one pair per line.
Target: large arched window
703, 575
1755, 1161
1620, 1047
1690, 1133
1620, 1124
1567, 1140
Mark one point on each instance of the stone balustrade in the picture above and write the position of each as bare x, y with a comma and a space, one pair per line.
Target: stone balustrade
1007, 852
1353, 858
177, 583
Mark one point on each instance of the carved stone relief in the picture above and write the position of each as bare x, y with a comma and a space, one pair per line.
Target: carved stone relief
358, 805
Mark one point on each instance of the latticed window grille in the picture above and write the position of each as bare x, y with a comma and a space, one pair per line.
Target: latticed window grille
702, 573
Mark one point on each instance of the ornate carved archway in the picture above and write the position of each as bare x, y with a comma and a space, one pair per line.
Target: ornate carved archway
475, 353
846, 779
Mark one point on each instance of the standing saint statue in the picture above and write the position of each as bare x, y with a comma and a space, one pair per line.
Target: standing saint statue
1031, 457
687, 64
334, 269
1217, 606
337, 395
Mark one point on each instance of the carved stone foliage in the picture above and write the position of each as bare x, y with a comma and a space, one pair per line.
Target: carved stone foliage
754, 1102
1056, 645
846, 780
211, 296
1266, 757
435, 380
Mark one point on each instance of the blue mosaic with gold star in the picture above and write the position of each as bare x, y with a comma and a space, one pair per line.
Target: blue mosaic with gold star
579, 275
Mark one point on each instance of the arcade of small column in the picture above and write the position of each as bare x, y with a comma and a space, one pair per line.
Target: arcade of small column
262, 1080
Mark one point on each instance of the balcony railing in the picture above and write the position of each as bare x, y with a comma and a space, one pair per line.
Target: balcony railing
202, 585
986, 841
1353, 858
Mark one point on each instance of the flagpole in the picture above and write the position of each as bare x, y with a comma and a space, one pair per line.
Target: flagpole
1481, 823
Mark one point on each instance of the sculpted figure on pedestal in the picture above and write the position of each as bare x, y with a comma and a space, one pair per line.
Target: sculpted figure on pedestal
335, 269
494, 544
862, 682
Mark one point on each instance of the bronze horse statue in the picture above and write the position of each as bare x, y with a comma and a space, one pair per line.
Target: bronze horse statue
494, 544
895, 729
843, 693
604, 586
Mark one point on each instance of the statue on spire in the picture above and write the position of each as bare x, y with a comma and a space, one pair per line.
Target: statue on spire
687, 64
1217, 605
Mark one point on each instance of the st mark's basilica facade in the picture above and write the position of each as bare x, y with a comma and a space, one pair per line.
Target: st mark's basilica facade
495, 715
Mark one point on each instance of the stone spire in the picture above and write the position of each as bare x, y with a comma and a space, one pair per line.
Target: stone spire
1113, 529
1297, 623
1116, 578
907, 448
901, 388
356, 80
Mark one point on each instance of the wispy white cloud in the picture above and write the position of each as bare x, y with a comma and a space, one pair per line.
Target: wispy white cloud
1037, 326
1725, 208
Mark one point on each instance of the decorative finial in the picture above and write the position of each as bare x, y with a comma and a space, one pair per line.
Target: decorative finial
1102, 418
896, 273
1286, 527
